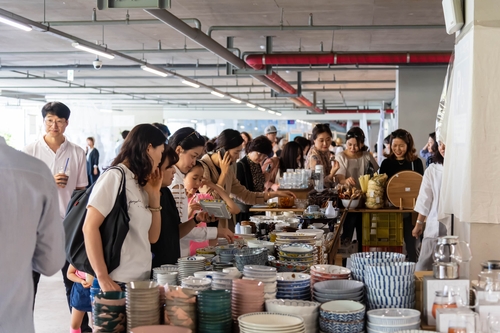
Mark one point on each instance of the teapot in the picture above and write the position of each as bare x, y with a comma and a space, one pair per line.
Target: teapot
448, 255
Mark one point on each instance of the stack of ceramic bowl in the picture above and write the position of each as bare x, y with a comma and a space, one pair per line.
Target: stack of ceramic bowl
246, 256
222, 241
226, 253
336, 290
109, 311
271, 322
260, 244
233, 271
204, 274
160, 329
222, 281
247, 297
287, 238
265, 274
214, 311
294, 286
296, 252
165, 275
220, 266
328, 272
390, 285
189, 265
309, 311
180, 307
196, 283
392, 320
143, 303
360, 260
341, 316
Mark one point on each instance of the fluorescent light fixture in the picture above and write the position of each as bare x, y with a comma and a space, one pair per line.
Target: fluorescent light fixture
256, 128
218, 94
242, 127
222, 124
154, 71
271, 112
250, 105
16, 24
278, 113
93, 50
194, 121
261, 109
192, 84
235, 100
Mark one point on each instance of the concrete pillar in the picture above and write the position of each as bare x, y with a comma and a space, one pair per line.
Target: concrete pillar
417, 100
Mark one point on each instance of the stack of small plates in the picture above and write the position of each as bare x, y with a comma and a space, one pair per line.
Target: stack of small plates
196, 283
214, 311
360, 260
342, 316
390, 285
284, 264
298, 252
189, 265
222, 281
265, 274
143, 303
309, 311
392, 320
247, 297
164, 275
294, 286
226, 253
180, 307
270, 322
333, 290
328, 272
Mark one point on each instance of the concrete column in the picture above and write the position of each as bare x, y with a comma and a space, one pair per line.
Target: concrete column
417, 100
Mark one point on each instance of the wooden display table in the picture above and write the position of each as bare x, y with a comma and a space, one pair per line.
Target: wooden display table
276, 210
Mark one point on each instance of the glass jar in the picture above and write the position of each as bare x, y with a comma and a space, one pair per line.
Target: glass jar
489, 277
443, 300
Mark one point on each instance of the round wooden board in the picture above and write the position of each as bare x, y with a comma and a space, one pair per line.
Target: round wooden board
404, 186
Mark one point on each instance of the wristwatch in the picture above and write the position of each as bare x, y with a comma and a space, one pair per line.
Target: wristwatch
195, 220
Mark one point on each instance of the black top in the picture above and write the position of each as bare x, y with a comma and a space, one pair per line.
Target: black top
244, 174
167, 249
391, 167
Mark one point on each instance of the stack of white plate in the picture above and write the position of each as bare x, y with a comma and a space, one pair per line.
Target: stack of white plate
294, 286
189, 265
169, 278
309, 311
222, 281
265, 274
143, 303
390, 285
259, 322
392, 320
333, 290
196, 283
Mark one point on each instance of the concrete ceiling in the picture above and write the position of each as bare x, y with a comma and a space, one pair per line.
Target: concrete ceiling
34, 64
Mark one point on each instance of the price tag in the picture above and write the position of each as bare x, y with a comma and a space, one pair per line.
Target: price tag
407, 189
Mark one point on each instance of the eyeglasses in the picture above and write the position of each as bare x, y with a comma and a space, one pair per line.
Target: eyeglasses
193, 133
350, 136
50, 122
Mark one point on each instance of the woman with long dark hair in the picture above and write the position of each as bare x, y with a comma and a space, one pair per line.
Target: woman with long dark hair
291, 158
319, 154
403, 158
139, 158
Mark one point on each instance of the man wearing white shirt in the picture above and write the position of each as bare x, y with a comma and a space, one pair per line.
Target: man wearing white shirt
67, 163
31, 237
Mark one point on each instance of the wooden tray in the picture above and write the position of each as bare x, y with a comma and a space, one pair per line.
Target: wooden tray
402, 189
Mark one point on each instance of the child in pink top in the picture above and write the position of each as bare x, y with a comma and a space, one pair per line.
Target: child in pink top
79, 298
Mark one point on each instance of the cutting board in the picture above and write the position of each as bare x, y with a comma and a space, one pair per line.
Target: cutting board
402, 189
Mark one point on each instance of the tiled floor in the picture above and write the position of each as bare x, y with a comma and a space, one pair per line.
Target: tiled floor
51, 309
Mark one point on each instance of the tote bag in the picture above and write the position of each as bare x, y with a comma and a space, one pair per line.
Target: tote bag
113, 230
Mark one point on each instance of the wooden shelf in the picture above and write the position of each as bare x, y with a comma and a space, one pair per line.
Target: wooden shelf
383, 210
277, 210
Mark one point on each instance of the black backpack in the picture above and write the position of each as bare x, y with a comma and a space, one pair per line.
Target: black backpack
113, 230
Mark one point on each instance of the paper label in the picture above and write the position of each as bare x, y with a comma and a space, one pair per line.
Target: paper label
407, 189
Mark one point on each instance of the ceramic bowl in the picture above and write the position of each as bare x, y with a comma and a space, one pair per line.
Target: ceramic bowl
260, 244
354, 203
393, 328
392, 269
292, 306
329, 270
332, 326
390, 301
394, 292
393, 316
339, 287
342, 311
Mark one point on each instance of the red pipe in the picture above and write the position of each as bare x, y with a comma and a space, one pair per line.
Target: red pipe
258, 61
359, 111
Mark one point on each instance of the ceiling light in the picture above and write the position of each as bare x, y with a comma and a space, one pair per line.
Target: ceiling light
222, 124
154, 71
242, 127
261, 109
250, 105
256, 128
194, 121
15, 24
235, 100
271, 111
218, 94
278, 113
110, 110
192, 84
92, 50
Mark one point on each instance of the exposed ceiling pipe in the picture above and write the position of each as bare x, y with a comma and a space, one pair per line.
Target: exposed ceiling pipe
193, 21
358, 111
259, 61
318, 27
199, 37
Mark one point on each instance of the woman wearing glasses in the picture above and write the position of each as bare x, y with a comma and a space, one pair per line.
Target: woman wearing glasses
319, 154
402, 157
189, 145
220, 169
354, 162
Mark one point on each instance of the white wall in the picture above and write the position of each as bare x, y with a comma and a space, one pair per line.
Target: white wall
417, 100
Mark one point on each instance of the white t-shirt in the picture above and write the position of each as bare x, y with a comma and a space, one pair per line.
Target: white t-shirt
76, 170
135, 260
198, 234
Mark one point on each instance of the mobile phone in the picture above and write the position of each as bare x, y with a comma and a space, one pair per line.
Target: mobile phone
269, 168
222, 152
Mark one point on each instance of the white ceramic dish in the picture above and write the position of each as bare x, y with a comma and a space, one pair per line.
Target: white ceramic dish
292, 306
393, 328
269, 320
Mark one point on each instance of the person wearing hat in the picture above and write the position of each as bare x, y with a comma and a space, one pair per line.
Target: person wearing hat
271, 133
219, 168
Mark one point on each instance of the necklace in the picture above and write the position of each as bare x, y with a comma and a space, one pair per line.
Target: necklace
401, 162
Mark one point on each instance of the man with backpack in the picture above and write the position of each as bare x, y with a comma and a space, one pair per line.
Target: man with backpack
68, 164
